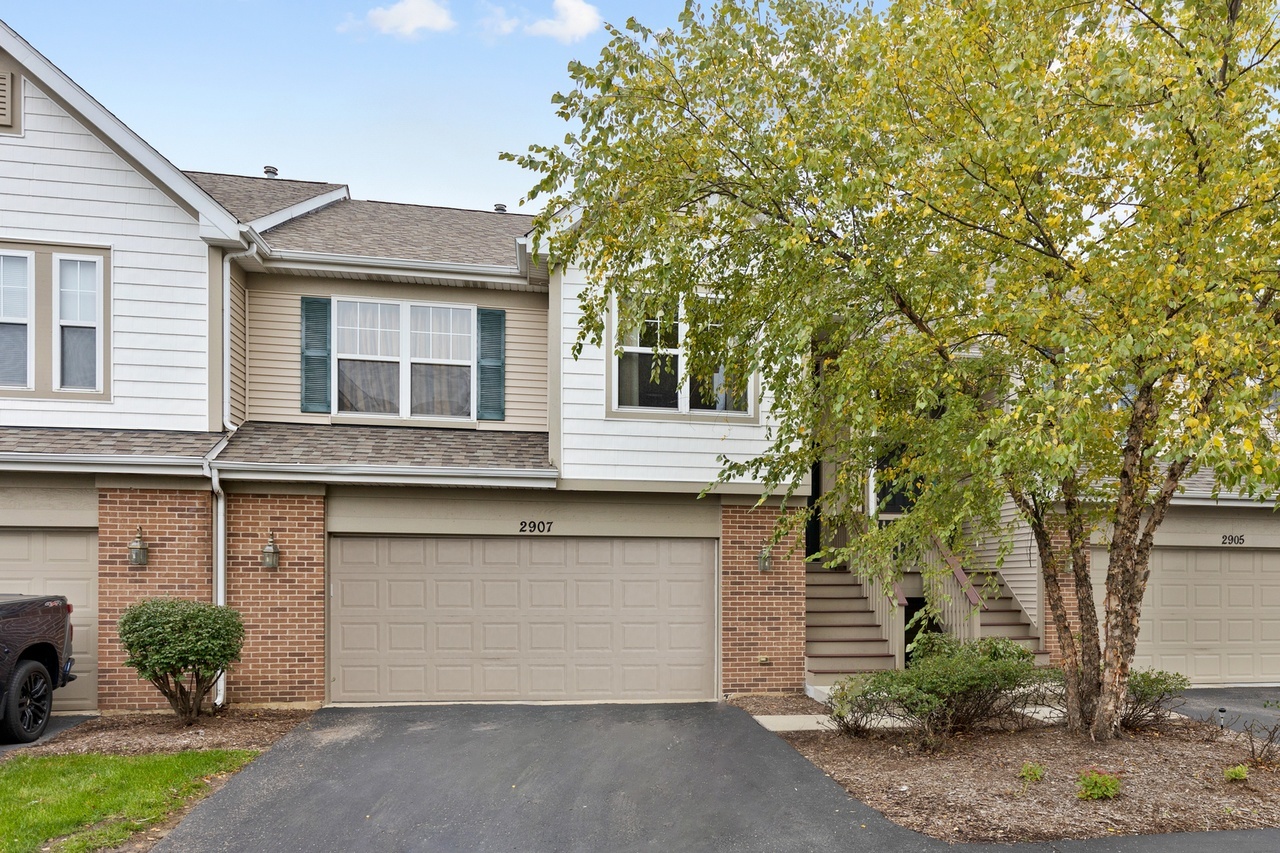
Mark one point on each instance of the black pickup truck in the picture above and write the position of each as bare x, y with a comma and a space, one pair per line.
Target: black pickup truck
35, 659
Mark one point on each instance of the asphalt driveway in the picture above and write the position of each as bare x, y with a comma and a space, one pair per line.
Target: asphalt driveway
1242, 704
595, 778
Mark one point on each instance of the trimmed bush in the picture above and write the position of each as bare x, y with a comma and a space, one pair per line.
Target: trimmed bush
1152, 696
950, 687
181, 647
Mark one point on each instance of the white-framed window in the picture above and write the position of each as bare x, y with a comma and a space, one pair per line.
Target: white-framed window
404, 359
647, 372
77, 288
17, 295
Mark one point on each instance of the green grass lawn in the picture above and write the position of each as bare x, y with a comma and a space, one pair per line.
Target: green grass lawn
97, 801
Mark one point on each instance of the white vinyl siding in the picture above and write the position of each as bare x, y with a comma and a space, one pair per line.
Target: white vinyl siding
1021, 568
273, 357
666, 448
61, 185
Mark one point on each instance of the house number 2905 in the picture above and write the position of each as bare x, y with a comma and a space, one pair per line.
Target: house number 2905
1233, 539
535, 526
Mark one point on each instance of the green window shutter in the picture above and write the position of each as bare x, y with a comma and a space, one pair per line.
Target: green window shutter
491, 383
315, 354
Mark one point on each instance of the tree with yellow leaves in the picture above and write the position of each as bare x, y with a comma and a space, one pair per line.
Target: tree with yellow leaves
996, 251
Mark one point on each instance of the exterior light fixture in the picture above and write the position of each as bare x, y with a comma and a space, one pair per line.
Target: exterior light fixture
765, 558
138, 549
1222, 718
271, 553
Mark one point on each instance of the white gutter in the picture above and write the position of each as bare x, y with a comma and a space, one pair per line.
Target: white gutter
220, 497
392, 265
219, 550
76, 462
512, 478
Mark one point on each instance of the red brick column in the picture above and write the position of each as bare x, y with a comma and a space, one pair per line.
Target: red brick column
283, 609
762, 613
1066, 580
178, 527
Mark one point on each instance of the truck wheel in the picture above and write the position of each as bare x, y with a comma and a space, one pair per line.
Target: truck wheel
29, 702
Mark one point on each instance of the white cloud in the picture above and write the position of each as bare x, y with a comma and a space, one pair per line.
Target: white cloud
409, 17
574, 21
497, 22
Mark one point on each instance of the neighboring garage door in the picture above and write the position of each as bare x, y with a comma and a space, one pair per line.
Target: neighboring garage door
438, 619
1212, 614
60, 562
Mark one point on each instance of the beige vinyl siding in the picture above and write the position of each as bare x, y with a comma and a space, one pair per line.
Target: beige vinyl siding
62, 185
1021, 567
239, 355
274, 381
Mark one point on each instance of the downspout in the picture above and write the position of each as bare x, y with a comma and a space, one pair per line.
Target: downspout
220, 497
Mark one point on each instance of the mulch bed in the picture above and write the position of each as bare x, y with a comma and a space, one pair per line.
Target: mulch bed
970, 791
138, 734
766, 704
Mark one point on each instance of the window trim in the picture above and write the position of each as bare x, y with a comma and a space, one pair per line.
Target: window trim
30, 321
44, 385
59, 324
683, 410
405, 360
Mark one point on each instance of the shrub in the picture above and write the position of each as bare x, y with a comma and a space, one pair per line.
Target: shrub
1031, 772
1238, 773
950, 687
181, 647
1094, 784
1152, 696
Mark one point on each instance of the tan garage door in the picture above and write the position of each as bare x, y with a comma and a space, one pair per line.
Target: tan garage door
60, 562
438, 619
1212, 614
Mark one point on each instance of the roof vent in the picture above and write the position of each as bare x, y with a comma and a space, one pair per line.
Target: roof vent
499, 208
271, 171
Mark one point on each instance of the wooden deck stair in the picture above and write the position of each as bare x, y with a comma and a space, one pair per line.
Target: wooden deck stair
1002, 616
842, 635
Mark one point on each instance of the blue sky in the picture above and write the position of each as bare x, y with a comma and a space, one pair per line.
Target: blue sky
404, 100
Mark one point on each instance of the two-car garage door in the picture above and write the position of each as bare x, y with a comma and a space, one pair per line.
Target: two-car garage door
506, 618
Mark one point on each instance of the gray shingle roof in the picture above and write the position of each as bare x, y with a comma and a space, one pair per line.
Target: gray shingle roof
251, 198
379, 229
107, 442
395, 448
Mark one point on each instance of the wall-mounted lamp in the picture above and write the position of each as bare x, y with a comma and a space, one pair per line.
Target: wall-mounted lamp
765, 558
138, 549
271, 553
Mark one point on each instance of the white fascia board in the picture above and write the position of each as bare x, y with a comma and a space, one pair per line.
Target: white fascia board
62, 463
283, 258
293, 211
513, 478
216, 223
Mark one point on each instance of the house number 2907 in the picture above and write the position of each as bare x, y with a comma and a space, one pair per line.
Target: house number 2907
535, 526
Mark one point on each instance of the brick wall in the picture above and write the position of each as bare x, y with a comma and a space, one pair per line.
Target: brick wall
762, 613
283, 609
178, 527
1067, 580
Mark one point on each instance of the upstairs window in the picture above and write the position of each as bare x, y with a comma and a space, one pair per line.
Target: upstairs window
403, 359
648, 372
78, 282
16, 340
